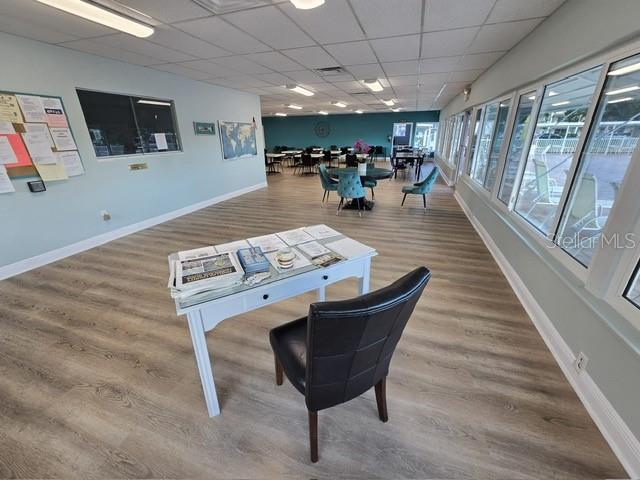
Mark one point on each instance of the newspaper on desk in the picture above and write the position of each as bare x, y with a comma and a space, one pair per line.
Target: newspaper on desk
201, 270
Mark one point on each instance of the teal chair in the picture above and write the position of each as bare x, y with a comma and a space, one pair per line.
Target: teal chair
421, 188
371, 183
328, 183
349, 186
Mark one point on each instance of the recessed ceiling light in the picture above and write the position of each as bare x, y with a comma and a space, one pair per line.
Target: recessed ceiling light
100, 15
389, 103
373, 85
623, 90
559, 104
322, 112
281, 114
295, 107
339, 104
359, 111
623, 70
618, 100
307, 4
300, 90
154, 102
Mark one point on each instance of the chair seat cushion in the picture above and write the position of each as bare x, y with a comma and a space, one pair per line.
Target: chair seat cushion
370, 183
289, 343
409, 189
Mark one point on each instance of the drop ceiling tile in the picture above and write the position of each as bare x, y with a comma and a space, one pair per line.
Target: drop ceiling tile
247, 81
502, 36
353, 53
362, 72
479, 60
90, 46
214, 70
304, 76
178, 40
183, 71
465, 75
448, 14
270, 26
274, 78
432, 80
168, 11
311, 57
332, 22
403, 80
222, 34
143, 47
507, 10
241, 64
350, 87
386, 18
27, 29
275, 61
343, 77
397, 48
447, 43
408, 67
440, 64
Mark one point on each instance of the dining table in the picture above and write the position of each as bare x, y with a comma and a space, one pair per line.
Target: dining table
372, 173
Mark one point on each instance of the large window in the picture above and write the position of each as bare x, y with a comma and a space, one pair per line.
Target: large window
632, 292
555, 139
124, 125
484, 142
612, 139
496, 145
474, 140
425, 136
516, 145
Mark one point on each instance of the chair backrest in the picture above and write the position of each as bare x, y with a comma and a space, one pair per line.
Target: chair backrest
427, 184
378, 149
306, 159
326, 155
350, 186
333, 147
350, 342
351, 160
325, 179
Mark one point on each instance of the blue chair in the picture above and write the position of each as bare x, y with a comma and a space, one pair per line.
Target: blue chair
350, 186
328, 183
421, 188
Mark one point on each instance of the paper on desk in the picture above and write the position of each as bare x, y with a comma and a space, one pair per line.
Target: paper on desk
196, 253
294, 237
5, 182
7, 155
72, 163
232, 246
320, 232
350, 248
268, 243
313, 249
299, 262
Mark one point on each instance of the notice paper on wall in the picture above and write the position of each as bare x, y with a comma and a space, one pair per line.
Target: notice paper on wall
22, 156
9, 109
161, 141
40, 128
5, 182
39, 148
6, 127
63, 139
52, 173
32, 108
7, 155
54, 112
72, 163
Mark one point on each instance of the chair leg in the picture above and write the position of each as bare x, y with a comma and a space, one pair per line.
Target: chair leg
403, 199
381, 399
424, 201
278, 371
340, 205
359, 208
373, 195
313, 435
324, 195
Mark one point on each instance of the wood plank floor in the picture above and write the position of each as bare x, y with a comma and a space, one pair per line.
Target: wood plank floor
98, 379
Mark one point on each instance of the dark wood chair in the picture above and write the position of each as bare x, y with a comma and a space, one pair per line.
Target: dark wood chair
351, 160
342, 349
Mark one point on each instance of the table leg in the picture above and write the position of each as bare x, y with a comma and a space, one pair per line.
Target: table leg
321, 294
196, 327
363, 282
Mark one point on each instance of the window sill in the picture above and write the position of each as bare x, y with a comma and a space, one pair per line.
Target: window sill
136, 156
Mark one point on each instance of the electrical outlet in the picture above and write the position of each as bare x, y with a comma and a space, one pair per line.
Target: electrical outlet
580, 363
106, 216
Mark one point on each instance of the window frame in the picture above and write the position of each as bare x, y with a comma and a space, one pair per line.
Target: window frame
130, 96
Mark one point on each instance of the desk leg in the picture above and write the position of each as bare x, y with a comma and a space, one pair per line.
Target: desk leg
196, 327
363, 281
321, 294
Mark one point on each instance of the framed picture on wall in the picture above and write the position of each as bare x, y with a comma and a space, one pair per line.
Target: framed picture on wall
238, 140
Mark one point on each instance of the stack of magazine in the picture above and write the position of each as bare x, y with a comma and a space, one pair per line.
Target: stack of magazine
215, 271
253, 260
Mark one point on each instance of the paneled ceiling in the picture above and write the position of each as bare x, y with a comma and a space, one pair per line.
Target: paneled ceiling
423, 51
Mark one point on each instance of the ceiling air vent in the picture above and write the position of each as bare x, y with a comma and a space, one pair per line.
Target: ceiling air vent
329, 71
225, 6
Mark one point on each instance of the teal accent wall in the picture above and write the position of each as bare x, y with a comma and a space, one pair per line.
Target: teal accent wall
345, 129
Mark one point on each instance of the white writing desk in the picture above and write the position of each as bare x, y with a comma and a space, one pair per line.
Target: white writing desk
206, 310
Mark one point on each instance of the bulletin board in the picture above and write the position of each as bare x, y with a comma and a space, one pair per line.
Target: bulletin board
36, 138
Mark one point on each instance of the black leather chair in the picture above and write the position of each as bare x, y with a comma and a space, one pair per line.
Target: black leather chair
342, 349
351, 160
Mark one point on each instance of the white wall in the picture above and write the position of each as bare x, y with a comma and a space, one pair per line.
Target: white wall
578, 30
31, 224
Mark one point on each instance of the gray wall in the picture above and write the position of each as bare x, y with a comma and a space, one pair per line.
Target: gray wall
69, 211
576, 31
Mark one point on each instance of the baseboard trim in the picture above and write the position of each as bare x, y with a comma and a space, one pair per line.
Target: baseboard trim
616, 432
68, 250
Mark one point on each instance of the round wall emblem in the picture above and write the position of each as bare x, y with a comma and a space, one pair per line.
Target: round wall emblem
322, 129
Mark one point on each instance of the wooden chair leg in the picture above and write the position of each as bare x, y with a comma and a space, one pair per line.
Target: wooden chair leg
278, 371
381, 399
313, 435
403, 199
